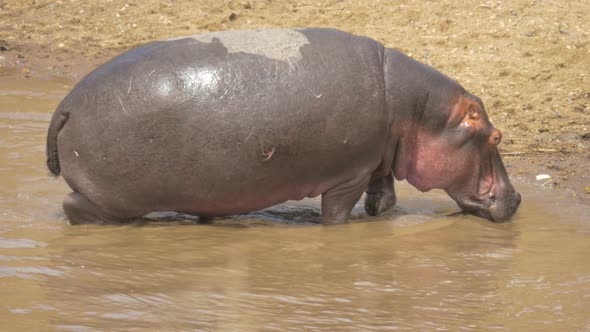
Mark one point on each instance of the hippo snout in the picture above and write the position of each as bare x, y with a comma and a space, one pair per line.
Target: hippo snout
498, 210
502, 210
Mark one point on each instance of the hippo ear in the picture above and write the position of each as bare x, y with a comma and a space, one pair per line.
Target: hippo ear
473, 111
472, 114
465, 113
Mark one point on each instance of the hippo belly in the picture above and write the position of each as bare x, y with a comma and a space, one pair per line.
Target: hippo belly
223, 123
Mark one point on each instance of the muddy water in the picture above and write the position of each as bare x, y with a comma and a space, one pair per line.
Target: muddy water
418, 268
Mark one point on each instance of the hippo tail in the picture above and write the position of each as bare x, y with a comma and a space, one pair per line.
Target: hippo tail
57, 122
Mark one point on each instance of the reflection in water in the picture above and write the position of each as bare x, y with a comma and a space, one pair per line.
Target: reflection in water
417, 268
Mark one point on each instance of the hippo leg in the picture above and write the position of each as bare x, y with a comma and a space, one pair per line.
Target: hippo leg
380, 195
80, 210
339, 201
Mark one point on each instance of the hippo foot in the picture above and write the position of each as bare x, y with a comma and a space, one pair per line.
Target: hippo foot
339, 201
80, 210
379, 202
380, 195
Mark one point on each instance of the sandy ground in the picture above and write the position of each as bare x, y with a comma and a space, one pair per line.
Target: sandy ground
529, 60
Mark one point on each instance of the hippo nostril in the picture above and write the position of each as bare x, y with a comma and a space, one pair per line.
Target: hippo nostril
492, 200
517, 199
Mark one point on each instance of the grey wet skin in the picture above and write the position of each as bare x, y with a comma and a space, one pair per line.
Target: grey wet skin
223, 124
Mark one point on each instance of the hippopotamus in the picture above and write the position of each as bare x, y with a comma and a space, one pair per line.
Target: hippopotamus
225, 123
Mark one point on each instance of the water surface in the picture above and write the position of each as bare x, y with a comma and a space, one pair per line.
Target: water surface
419, 267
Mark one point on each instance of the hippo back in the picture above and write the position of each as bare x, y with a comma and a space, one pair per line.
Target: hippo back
199, 123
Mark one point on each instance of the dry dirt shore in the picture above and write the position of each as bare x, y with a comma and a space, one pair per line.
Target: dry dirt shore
529, 60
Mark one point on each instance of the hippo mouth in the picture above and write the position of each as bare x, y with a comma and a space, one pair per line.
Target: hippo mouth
496, 202
486, 186
479, 207
483, 203
483, 196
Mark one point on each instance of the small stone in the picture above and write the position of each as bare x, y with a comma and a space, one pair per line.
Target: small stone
587, 189
542, 177
61, 45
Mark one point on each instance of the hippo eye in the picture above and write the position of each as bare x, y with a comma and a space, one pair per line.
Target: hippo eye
495, 137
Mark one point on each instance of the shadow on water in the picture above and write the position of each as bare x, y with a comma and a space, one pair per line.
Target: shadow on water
278, 215
418, 267
296, 213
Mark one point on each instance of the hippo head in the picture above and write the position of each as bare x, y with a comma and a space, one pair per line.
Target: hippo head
455, 147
